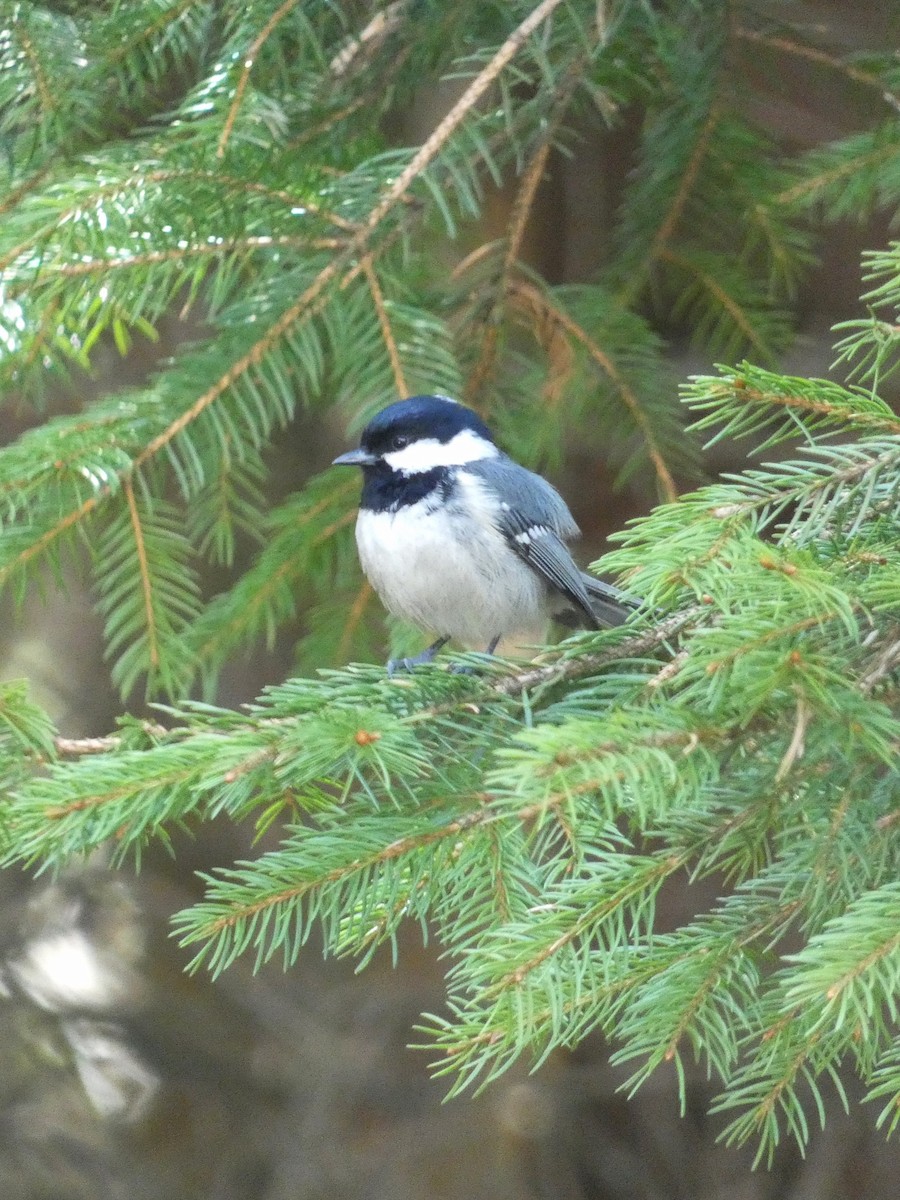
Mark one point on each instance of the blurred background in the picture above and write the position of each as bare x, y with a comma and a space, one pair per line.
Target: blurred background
124, 1077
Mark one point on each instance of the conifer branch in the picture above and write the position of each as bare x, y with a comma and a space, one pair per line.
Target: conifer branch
719, 294
180, 254
538, 301
836, 405
521, 211
515, 232
817, 55
29, 184
166, 18
846, 169
355, 614
433, 145
384, 22
305, 306
144, 570
385, 323
42, 87
246, 67
49, 536
660, 247
741, 727
245, 616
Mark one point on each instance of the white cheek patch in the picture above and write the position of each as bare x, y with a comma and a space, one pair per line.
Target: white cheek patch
427, 453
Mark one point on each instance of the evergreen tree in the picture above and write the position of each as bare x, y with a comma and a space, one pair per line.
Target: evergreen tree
228, 162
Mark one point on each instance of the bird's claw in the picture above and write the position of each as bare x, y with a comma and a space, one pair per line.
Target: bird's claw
407, 664
404, 664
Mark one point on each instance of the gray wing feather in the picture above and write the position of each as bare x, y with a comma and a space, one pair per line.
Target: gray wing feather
536, 523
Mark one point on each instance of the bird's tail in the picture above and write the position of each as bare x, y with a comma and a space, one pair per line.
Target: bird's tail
610, 605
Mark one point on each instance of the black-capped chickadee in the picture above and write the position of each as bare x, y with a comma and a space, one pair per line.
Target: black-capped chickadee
460, 540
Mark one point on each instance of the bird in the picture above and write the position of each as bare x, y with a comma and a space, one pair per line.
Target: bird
460, 540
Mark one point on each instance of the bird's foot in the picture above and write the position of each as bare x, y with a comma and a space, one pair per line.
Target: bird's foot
407, 664
459, 669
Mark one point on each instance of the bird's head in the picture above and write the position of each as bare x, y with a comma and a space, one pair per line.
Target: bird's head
421, 434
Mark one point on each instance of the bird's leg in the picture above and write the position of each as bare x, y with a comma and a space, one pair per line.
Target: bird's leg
427, 656
491, 647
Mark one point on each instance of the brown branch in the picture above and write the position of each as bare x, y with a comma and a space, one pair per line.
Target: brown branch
155, 257
640, 643
144, 569
515, 232
843, 169
432, 146
249, 62
327, 123
886, 662
596, 912
42, 86
59, 812
354, 616
521, 211
12, 197
686, 185
636, 646
384, 322
719, 294
821, 56
50, 535
797, 743
168, 17
847, 475
168, 175
67, 747
384, 854
886, 421
539, 300
370, 37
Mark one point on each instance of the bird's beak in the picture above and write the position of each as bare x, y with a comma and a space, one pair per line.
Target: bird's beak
355, 458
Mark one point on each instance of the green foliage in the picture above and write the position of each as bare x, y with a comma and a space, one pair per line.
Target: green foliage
534, 819
226, 165
224, 170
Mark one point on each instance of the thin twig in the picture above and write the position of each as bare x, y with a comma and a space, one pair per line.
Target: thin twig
509, 685
541, 302
638, 644
42, 86
797, 744
370, 38
718, 292
177, 253
384, 322
814, 54
249, 62
888, 660
853, 166
433, 145
750, 395
515, 233
144, 569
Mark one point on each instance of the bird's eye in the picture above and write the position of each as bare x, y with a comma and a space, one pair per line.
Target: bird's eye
399, 441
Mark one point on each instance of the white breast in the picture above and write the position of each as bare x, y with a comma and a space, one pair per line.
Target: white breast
472, 589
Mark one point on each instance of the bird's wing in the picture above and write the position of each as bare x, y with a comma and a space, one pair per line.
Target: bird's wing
536, 523
545, 552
